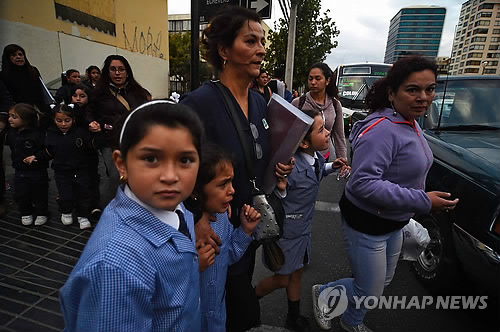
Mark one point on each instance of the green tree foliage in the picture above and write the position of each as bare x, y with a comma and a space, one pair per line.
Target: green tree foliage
180, 57
314, 40
180, 61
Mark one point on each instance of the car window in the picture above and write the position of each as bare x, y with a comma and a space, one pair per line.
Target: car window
466, 103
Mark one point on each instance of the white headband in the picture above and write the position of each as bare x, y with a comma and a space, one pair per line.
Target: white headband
149, 103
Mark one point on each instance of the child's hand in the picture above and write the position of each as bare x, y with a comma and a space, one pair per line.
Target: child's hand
344, 172
206, 255
340, 162
249, 218
281, 184
29, 160
94, 127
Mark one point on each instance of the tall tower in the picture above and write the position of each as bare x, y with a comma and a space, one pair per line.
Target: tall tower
476, 46
415, 30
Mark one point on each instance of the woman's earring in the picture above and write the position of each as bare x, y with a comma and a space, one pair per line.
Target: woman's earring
123, 179
395, 112
224, 63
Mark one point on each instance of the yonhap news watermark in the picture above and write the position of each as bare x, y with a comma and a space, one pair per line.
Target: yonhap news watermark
332, 302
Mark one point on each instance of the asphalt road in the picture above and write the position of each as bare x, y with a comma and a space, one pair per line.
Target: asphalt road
329, 262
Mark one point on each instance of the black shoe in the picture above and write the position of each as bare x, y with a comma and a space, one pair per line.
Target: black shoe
95, 215
297, 323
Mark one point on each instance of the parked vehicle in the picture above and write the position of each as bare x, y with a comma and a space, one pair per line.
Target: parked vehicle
462, 127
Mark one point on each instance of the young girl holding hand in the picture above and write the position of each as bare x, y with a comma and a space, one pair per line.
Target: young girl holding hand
139, 269
214, 191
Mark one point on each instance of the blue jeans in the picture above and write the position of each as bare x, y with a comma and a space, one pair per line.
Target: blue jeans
373, 260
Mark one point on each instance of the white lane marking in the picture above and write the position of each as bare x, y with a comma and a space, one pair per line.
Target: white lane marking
327, 206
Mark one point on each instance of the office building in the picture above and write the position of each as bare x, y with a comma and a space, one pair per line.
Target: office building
476, 46
415, 30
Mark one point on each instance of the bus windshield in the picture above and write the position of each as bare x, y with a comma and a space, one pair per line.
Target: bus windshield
354, 81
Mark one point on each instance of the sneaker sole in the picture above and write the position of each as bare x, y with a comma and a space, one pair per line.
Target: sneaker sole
314, 314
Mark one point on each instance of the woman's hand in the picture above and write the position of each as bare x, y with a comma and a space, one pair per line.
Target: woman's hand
206, 254
249, 218
29, 160
94, 127
206, 235
282, 171
439, 201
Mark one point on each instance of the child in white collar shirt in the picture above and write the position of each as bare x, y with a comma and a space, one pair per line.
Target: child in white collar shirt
302, 190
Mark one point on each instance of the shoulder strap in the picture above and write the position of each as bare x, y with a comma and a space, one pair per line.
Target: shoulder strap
302, 101
121, 99
239, 129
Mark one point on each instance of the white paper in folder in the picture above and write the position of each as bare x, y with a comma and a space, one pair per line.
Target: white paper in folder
287, 127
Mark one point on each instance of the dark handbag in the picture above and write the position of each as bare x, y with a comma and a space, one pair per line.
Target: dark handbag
269, 206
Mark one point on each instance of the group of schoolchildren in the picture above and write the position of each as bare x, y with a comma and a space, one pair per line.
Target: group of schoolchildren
66, 137
142, 269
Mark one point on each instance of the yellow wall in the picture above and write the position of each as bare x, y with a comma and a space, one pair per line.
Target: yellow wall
141, 26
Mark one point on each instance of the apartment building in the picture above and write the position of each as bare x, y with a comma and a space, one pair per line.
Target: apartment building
476, 46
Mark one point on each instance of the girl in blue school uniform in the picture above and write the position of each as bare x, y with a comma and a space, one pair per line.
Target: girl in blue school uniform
214, 191
139, 269
302, 189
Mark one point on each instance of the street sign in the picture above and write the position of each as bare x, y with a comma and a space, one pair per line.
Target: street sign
208, 8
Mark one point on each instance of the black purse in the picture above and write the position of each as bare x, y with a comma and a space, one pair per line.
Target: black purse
270, 228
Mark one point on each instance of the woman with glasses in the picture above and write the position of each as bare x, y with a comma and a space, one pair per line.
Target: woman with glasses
21, 78
116, 93
234, 46
323, 97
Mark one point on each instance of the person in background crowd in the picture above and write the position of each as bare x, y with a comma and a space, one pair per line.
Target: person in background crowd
69, 147
259, 85
387, 186
80, 97
295, 94
117, 93
6, 103
92, 74
288, 95
21, 78
322, 96
276, 84
69, 78
234, 45
139, 269
26, 142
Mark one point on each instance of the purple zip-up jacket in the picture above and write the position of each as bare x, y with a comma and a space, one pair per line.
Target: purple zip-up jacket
390, 163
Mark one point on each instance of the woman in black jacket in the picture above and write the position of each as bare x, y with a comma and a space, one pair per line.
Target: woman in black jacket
116, 93
21, 78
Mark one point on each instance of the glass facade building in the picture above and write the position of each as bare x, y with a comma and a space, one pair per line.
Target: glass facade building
476, 46
415, 30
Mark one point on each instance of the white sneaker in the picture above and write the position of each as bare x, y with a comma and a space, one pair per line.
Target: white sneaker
40, 220
67, 219
84, 223
323, 323
27, 220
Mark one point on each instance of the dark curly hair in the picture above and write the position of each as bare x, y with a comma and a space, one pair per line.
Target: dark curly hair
378, 96
222, 31
7, 65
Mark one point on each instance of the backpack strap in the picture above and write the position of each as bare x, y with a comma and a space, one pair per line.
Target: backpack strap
302, 101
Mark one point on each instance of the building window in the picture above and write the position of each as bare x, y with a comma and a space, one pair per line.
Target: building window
464, 56
493, 55
496, 31
460, 71
495, 39
461, 64
475, 55
476, 47
492, 63
489, 71
460, 52
485, 6
494, 47
471, 70
482, 23
467, 42
465, 49
478, 39
480, 31
497, 23
473, 63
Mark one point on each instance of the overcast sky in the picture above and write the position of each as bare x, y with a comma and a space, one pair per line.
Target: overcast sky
363, 25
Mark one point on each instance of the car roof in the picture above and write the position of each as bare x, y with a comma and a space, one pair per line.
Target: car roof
468, 77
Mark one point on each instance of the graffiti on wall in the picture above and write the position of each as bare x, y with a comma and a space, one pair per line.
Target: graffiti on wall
143, 42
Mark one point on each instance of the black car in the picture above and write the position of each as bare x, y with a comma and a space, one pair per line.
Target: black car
462, 128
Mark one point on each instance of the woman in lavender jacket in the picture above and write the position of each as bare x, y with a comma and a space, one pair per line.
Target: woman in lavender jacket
387, 186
